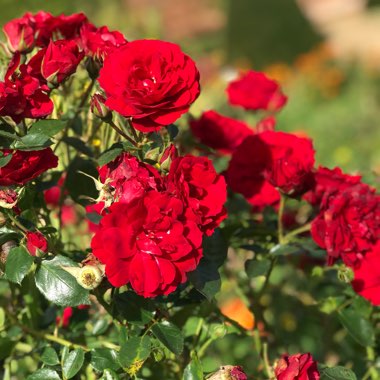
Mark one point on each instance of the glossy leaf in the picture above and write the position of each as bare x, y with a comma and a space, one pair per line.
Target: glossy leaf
44, 374
337, 373
18, 264
104, 358
73, 363
169, 335
358, 327
58, 286
135, 351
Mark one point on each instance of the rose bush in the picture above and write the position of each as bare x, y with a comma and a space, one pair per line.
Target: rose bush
129, 252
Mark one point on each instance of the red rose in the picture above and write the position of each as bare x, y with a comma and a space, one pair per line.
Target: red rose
58, 27
195, 180
220, 132
349, 224
96, 209
128, 178
266, 124
255, 91
367, 276
328, 182
60, 60
99, 42
20, 33
297, 367
34, 241
153, 82
148, 243
64, 320
22, 95
53, 195
98, 107
291, 161
8, 198
26, 165
246, 173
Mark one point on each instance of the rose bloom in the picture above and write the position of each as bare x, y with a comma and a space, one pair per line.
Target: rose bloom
148, 243
23, 95
266, 124
297, 367
8, 198
20, 33
291, 161
57, 27
195, 180
349, 225
150, 81
245, 173
328, 182
220, 132
127, 178
99, 42
367, 276
255, 91
60, 60
26, 165
34, 241
64, 320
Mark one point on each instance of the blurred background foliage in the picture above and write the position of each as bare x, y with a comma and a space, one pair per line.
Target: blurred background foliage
329, 67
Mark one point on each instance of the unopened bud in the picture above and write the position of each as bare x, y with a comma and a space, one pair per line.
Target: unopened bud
229, 372
169, 154
93, 67
99, 109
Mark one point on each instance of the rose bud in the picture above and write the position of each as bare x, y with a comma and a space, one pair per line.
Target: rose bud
298, 366
99, 109
20, 33
60, 61
229, 372
169, 154
64, 320
36, 241
8, 198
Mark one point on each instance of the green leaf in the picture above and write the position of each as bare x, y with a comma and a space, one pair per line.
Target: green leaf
6, 347
44, 374
48, 127
5, 159
135, 351
100, 326
58, 286
193, 370
358, 327
337, 373
169, 335
73, 363
109, 375
49, 356
206, 278
109, 155
104, 358
2, 318
281, 250
256, 268
33, 141
18, 264
7, 234
135, 309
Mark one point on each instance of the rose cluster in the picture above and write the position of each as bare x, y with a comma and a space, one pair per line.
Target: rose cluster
266, 165
150, 235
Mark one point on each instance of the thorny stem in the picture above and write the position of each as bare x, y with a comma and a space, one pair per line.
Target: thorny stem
121, 133
17, 223
267, 365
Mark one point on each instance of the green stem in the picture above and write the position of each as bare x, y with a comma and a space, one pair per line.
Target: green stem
133, 130
121, 133
267, 366
288, 237
17, 223
280, 227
